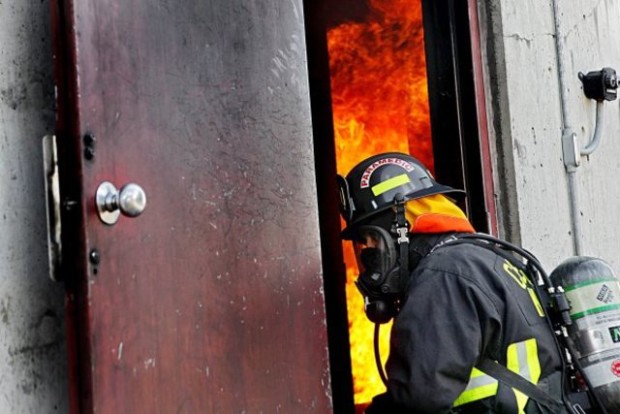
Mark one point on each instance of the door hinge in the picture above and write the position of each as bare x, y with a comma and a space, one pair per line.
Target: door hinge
52, 200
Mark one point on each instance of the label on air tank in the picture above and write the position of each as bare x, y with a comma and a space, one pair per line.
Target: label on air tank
593, 297
603, 372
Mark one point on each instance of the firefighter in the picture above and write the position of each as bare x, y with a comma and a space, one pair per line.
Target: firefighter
457, 304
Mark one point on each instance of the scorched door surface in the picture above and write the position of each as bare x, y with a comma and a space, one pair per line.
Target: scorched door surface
210, 301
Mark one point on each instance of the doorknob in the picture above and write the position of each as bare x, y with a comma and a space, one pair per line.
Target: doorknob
130, 200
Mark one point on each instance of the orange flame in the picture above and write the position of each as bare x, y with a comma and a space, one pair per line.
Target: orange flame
380, 103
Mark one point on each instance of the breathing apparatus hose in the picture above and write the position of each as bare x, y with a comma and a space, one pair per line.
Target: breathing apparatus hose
565, 399
378, 355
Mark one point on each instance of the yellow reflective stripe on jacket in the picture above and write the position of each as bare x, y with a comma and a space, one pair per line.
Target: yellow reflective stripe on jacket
480, 386
521, 358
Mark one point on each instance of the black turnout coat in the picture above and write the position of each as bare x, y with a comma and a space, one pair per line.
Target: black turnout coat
463, 302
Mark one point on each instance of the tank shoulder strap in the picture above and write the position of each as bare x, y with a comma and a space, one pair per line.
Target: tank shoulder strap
513, 380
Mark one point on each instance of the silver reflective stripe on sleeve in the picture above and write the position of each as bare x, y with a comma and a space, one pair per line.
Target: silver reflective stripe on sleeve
480, 386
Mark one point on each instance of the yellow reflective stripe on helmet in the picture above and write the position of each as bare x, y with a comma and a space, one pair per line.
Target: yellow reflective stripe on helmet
389, 184
480, 386
522, 358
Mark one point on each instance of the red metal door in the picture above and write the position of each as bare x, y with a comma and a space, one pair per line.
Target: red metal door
211, 301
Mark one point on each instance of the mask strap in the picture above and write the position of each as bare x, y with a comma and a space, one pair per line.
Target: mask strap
402, 233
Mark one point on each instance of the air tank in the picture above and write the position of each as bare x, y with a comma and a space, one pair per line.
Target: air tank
593, 291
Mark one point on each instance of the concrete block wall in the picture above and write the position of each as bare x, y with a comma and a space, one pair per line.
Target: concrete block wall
33, 367
527, 120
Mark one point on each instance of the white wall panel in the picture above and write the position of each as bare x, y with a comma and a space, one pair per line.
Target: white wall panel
531, 100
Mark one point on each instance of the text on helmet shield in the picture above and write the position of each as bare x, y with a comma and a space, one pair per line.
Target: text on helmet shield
365, 181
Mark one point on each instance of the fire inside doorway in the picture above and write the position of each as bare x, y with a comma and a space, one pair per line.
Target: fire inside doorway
379, 104
387, 75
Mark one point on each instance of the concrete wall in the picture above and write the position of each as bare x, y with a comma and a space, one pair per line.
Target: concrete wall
527, 119
33, 375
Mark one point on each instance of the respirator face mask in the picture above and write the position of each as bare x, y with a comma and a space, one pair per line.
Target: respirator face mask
379, 278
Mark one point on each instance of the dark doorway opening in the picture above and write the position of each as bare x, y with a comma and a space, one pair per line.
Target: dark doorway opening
452, 131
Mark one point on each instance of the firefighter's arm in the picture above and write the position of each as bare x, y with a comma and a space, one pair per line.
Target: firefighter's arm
444, 324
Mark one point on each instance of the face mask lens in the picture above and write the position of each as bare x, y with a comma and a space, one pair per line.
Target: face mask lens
370, 258
374, 253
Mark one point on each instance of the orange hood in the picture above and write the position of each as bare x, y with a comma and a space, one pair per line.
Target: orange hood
436, 214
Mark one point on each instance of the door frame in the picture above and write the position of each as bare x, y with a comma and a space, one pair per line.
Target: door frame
458, 94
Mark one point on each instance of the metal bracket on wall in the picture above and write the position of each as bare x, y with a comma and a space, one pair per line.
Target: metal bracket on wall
52, 199
570, 149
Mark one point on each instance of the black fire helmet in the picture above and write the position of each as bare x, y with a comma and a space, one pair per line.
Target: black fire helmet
370, 187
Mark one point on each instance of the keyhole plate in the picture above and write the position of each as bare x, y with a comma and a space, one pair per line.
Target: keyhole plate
104, 190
